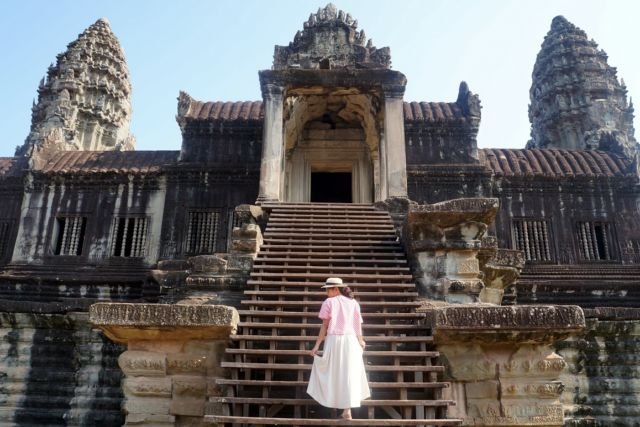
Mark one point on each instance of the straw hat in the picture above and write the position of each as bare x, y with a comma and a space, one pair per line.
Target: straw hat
333, 282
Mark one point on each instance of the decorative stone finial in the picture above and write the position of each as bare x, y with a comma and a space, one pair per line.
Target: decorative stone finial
572, 79
330, 39
84, 102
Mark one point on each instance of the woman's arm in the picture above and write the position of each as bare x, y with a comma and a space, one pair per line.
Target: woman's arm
321, 335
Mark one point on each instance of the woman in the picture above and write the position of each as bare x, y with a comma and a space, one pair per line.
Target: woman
338, 379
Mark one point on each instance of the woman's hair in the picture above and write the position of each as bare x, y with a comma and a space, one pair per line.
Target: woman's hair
347, 292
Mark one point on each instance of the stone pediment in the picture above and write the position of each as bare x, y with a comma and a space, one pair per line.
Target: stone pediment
330, 40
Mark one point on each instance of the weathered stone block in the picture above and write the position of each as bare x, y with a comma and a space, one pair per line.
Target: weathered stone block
143, 363
483, 389
147, 405
142, 386
188, 406
189, 386
184, 363
244, 246
214, 264
150, 420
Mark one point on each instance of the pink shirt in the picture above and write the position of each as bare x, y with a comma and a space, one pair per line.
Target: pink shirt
344, 315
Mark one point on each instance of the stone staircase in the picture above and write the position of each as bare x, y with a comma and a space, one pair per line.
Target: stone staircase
269, 364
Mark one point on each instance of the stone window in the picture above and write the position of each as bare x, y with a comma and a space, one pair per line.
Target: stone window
596, 241
69, 235
531, 236
129, 237
202, 231
4, 237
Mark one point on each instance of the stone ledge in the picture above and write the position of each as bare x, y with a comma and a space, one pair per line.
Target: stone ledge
613, 313
124, 322
484, 323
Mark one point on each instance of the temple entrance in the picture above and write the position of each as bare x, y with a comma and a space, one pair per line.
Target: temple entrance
328, 161
331, 187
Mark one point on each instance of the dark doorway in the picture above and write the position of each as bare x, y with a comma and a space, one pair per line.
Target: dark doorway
331, 187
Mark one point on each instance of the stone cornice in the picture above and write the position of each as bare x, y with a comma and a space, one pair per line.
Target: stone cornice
125, 322
491, 324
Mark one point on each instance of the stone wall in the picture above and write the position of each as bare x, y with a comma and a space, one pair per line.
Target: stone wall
602, 380
55, 369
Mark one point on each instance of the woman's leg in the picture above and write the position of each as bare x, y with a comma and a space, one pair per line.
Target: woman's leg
346, 414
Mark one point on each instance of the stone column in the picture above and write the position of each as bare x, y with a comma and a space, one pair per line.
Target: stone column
173, 357
393, 144
271, 166
501, 361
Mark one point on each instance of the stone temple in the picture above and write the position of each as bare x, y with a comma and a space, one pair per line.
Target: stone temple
181, 288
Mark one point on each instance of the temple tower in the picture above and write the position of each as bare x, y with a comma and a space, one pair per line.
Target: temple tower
333, 117
84, 102
577, 101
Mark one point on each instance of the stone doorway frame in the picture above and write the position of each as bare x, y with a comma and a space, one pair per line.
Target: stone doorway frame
389, 168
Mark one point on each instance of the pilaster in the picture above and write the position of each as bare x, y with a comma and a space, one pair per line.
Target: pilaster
271, 166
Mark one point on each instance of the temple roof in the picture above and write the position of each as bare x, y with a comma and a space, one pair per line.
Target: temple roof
553, 162
433, 111
109, 161
252, 110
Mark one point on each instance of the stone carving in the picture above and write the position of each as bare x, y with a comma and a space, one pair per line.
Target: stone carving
84, 103
330, 40
571, 78
501, 268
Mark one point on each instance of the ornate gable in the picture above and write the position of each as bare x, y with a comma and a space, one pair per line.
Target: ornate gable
330, 40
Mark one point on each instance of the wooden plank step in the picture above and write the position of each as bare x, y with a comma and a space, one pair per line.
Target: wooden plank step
261, 352
322, 295
295, 211
264, 259
331, 227
331, 246
341, 222
335, 268
363, 304
317, 284
328, 234
331, 222
297, 338
314, 314
365, 326
346, 277
372, 384
315, 205
367, 402
255, 421
330, 254
307, 367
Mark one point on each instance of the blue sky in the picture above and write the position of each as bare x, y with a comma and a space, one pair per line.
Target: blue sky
214, 49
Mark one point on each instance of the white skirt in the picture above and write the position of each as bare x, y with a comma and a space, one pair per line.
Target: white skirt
338, 379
